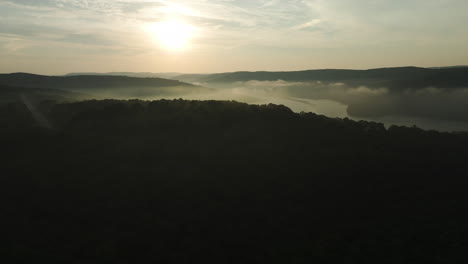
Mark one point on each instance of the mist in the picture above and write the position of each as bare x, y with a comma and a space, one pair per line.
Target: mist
429, 108
392, 99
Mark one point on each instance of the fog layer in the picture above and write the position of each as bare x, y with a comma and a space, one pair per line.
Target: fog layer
428, 108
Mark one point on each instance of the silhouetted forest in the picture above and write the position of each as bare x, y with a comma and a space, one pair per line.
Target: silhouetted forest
174, 181
81, 82
102, 86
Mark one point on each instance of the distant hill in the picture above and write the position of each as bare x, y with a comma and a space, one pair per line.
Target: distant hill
402, 77
192, 78
83, 81
102, 86
450, 67
165, 75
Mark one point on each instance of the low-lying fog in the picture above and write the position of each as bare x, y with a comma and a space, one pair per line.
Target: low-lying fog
429, 108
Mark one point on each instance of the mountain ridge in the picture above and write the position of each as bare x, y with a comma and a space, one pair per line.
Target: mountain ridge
164, 75
29, 80
396, 77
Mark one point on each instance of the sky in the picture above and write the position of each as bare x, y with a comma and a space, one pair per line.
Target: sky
200, 36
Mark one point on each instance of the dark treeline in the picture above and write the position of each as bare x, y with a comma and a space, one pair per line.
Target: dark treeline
226, 182
83, 81
98, 86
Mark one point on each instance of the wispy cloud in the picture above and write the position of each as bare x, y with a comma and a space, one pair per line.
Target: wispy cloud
293, 34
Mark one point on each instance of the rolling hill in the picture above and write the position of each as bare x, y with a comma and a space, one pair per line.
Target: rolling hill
397, 78
164, 75
27, 80
100, 86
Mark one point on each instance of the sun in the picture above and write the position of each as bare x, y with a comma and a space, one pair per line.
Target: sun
173, 35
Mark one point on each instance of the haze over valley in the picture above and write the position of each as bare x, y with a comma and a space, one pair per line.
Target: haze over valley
430, 98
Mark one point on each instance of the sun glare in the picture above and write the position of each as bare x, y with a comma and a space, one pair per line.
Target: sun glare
173, 35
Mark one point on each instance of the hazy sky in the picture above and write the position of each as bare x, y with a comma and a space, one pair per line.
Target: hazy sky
60, 36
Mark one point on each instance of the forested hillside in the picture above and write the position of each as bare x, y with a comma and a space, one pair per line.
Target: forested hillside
172, 180
99, 86
82, 81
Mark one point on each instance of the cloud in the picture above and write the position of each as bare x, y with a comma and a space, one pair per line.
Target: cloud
392, 20
363, 19
309, 24
280, 35
13, 44
31, 3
